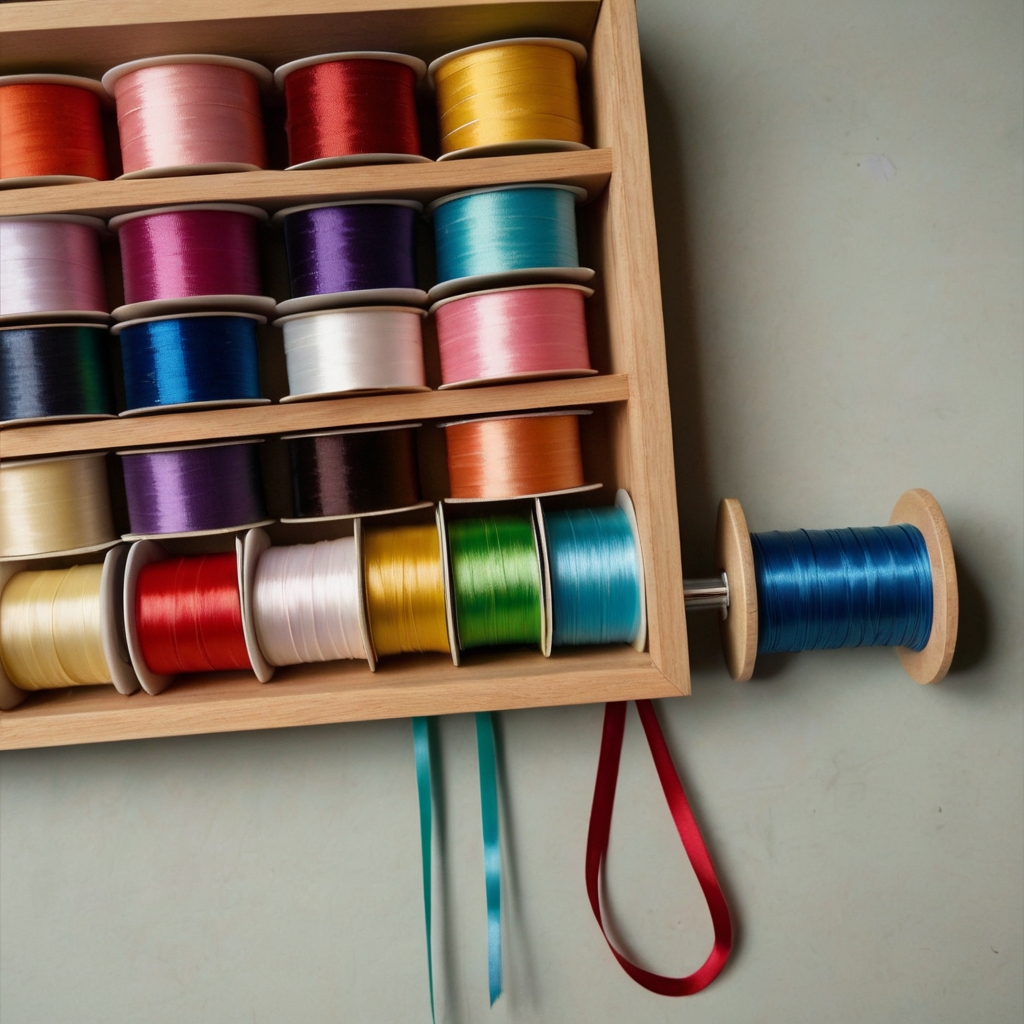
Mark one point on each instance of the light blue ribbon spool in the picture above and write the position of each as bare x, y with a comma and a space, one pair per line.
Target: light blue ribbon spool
515, 234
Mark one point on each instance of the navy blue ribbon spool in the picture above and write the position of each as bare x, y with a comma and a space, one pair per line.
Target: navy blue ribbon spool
858, 587
351, 247
503, 233
206, 359
57, 371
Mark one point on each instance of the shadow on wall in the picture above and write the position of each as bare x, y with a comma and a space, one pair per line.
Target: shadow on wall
697, 504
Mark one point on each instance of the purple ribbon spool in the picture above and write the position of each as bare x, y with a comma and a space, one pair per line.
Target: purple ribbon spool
203, 489
351, 247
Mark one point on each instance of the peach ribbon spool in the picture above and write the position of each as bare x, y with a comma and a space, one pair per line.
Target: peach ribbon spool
51, 130
520, 456
530, 332
189, 113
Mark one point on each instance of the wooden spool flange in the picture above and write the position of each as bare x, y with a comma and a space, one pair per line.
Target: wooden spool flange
736, 559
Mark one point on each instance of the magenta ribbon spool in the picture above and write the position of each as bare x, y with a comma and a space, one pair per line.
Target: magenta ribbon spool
523, 333
195, 257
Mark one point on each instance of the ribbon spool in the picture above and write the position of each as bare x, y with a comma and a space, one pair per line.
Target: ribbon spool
357, 107
190, 113
193, 257
190, 361
340, 474
184, 615
365, 348
823, 589
51, 130
523, 456
596, 583
496, 581
63, 627
305, 601
51, 266
509, 96
54, 372
404, 578
530, 332
351, 253
191, 491
58, 506
491, 236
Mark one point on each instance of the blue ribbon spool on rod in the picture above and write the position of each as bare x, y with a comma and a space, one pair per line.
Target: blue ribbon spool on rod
55, 372
881, 586
504, 235
194, 359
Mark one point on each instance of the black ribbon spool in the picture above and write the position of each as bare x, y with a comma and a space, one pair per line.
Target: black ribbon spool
353, 472
59, 371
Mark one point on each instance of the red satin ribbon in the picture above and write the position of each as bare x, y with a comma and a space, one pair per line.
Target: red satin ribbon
689, 833
189, 615
345, 107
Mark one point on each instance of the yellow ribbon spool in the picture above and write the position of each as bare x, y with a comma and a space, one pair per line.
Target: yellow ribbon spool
405, 590
509, 94
54, 505
51, 629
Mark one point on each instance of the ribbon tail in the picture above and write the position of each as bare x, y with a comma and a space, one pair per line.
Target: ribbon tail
492, 847
424, 786
689, 834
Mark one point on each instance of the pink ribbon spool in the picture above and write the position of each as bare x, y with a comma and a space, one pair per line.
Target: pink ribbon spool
195, 256
51, 264
522, 333
189, 114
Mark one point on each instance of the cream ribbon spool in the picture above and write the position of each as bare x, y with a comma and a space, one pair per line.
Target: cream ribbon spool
54, 505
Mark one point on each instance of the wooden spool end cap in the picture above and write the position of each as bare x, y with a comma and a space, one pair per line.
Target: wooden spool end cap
736, 560
918, 508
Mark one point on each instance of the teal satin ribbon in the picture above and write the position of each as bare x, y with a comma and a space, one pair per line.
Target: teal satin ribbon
492, 847
424, 785
491, 835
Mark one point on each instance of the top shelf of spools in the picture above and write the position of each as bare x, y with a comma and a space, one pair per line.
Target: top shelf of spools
633, 449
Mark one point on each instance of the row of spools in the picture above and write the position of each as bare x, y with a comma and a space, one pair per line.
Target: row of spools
525, 577
202, 113
194, 299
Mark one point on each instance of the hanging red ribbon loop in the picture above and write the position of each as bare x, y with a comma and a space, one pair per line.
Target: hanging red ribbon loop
689, 833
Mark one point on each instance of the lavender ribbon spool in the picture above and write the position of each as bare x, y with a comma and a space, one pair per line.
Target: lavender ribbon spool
176, 492
351, 253
51, 265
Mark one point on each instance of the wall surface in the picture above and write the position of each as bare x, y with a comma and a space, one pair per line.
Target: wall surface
839, 193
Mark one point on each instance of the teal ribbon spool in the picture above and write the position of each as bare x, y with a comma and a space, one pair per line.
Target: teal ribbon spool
595, 577
496, 231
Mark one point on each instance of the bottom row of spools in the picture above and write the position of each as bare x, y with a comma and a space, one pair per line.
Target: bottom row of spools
528, 577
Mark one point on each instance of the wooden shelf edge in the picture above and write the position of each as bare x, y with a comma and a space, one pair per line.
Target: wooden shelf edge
238, 705
60, 14
275, 190
265, 420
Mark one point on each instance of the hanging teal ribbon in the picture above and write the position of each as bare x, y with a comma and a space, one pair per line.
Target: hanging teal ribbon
424, 785
492, 847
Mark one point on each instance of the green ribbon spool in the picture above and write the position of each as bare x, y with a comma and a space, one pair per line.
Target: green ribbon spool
496, 577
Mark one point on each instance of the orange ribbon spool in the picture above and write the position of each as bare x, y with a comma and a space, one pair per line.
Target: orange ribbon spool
50, 129
510, 457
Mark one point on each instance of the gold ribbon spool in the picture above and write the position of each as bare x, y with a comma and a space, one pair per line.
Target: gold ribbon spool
51, 629
405, 590
509, 92
54, 505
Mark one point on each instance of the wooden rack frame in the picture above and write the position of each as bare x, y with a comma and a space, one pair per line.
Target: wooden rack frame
87, 37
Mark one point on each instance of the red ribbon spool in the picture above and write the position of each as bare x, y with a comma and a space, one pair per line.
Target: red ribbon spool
349, 107
188, 614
